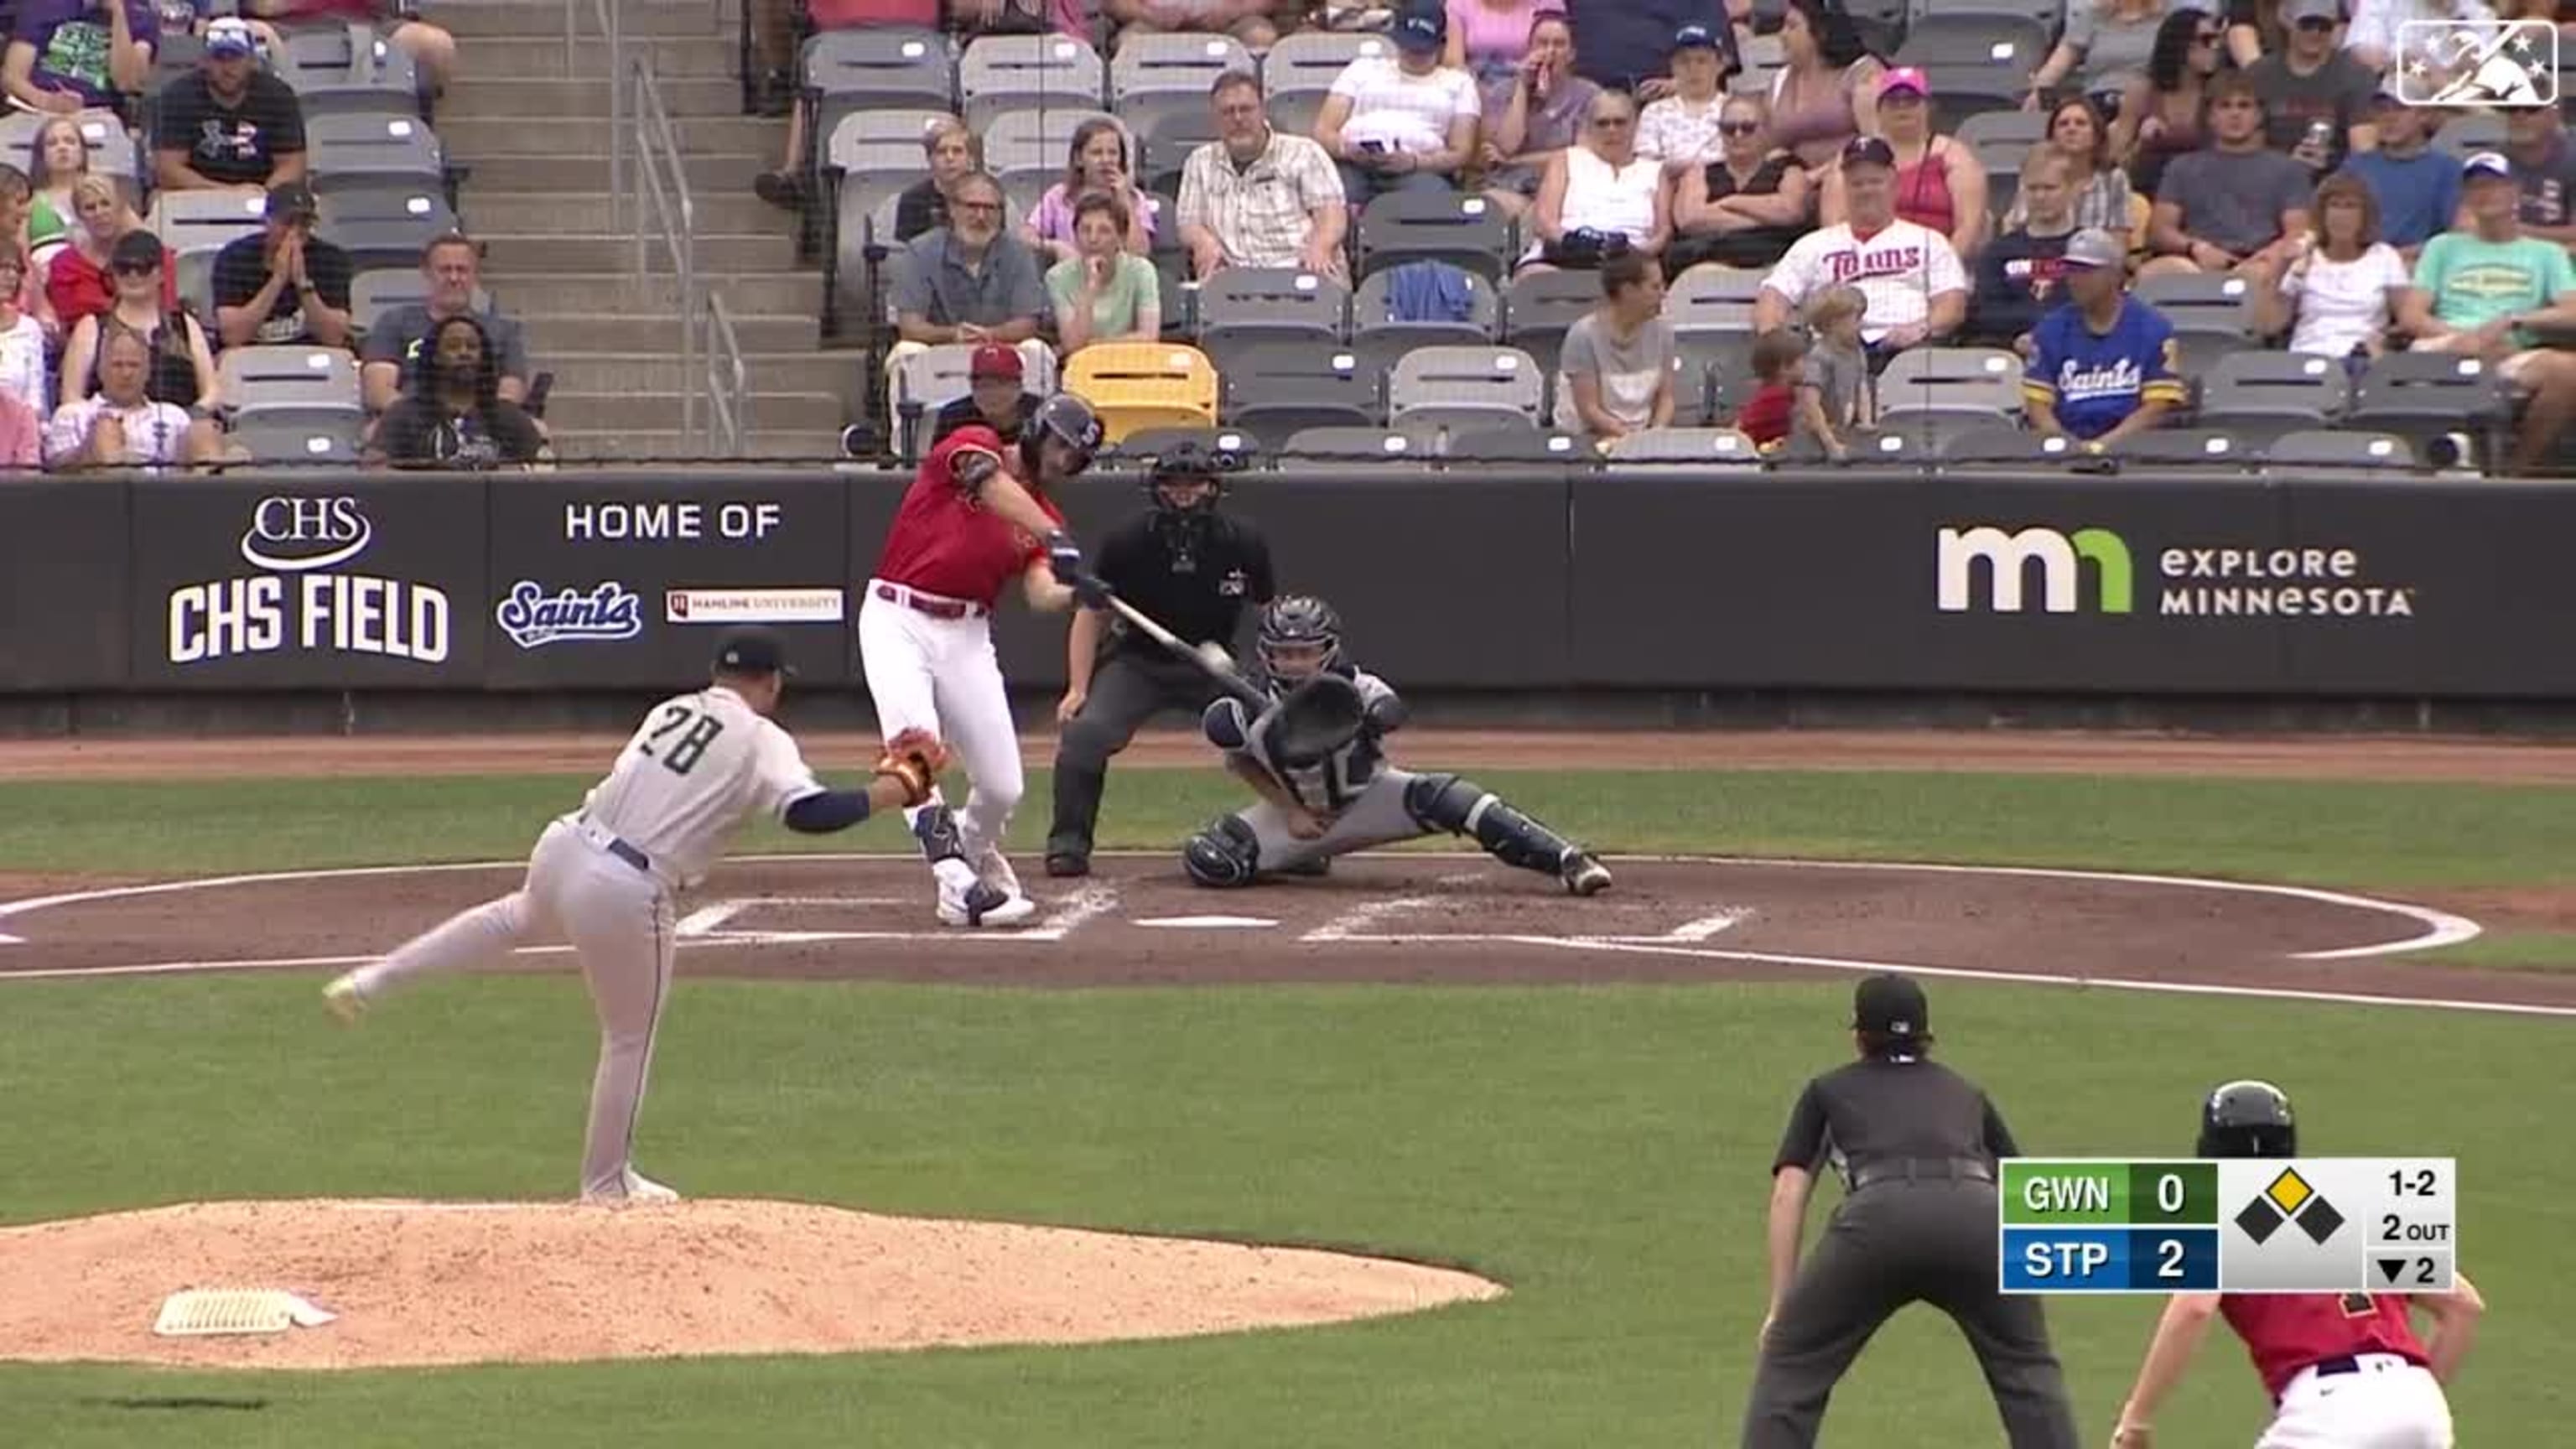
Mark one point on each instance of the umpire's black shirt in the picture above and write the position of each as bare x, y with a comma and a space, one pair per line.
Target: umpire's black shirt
1198, 592
1881, 1110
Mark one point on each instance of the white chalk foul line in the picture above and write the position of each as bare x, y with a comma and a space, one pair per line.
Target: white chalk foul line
1349, 923
1087, 903
708, 917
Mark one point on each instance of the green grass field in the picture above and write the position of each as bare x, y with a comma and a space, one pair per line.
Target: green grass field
1602, 1150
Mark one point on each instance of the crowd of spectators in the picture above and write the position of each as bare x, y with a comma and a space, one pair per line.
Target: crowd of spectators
2268, 145
106, 360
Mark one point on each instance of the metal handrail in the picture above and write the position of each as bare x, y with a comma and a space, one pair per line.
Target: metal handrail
612, 33
663, 204
728, 382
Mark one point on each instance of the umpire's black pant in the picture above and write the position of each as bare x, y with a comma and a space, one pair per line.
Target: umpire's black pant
1127, 687
1890, 1244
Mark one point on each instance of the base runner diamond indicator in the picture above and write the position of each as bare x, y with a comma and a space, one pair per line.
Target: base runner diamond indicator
2320, 1221
2260, 1220
2289, 1190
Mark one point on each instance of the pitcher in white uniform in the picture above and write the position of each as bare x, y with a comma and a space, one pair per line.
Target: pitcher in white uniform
603, 877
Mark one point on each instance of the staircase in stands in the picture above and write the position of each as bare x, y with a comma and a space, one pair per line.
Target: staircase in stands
535, 137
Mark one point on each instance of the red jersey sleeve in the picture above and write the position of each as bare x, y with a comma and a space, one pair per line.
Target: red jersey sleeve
941, 466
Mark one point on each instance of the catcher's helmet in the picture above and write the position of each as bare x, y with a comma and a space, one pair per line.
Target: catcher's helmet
1067, 419
2248, 1119
1298, 621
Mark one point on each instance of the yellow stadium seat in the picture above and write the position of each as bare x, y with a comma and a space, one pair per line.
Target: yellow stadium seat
1139, 385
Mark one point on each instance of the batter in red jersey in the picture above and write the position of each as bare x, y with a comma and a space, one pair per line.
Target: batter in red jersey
976, 517
2345, 1370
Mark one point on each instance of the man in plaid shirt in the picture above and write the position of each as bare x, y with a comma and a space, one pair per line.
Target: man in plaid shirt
1917, 290
1257, 198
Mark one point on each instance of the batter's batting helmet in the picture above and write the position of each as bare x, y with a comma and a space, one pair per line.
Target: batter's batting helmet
2248, 1119
1298, 621
1067, 419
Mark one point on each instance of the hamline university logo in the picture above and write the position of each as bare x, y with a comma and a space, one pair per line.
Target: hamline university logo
2191, 582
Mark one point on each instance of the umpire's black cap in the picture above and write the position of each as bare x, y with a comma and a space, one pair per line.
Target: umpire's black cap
752, 650
1892, 1006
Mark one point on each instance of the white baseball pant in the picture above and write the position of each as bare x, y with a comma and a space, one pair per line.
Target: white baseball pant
2390, 1404
618, 920
943, 676
1377, 817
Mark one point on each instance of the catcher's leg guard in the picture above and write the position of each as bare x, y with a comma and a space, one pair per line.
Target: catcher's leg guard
1227, 853
1445, 802
935, 826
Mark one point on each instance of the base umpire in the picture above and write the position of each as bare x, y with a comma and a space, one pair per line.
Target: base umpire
1183, 564
1917, 1144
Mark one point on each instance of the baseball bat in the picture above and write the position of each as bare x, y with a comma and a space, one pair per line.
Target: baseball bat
1210, 656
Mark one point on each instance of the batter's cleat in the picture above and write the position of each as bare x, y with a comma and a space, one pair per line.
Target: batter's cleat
1585, 876
983, 905
343, 999
1065, 866
994, 869
638, 1191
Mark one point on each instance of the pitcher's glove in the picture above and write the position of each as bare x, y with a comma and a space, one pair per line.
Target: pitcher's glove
914, 757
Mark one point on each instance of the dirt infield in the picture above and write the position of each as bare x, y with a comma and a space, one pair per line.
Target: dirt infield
1408, 917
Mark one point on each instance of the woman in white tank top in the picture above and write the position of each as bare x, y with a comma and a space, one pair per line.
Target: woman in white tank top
1602, 185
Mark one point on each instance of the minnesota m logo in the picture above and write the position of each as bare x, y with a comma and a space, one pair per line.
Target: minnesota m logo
2008, 557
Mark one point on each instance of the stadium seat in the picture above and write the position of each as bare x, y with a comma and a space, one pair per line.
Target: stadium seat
1344, 445
349, 70
277, 439
1465, 231
2001, 443
1919, 382
1727, 359
2201, 303
1168, 126
1182, 63
1035, 140
112, 149
1380, 339
378, 290
292, 385
1460, 388
2048, 15
2187, 445
1762, 57
2002, 139
1307, 62
1253, 303
1724, 447
928, 380
878, 68
1138, 385
1275, 389
1519, 443
1538, 307
1001, 73
2423, 395
2273, 392
1961, 89
194, 225
385, 228
1711, 298
1980, 37
1234, 449
2341, 448
351, 151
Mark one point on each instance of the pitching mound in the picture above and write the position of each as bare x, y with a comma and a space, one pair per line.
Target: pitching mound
443, 1283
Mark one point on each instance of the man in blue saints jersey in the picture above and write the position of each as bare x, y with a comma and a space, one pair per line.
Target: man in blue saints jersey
2101, 366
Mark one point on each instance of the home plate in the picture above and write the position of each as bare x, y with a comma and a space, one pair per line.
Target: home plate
1209, 923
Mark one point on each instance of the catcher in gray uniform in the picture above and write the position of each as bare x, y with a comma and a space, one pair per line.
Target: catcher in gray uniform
1316, 756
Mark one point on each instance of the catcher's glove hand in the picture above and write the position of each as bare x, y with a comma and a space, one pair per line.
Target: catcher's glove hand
1317, 718
914, 757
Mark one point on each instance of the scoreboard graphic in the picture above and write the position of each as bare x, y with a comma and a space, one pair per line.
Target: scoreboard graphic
2230, 1225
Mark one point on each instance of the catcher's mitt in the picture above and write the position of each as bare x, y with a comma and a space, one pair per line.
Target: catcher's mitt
1316, 719
915, 757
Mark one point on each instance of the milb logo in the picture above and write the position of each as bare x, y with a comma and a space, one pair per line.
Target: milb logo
2008, 558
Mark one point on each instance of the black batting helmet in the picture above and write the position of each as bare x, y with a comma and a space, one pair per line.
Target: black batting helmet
1069, 420
2248, 1119
1295, 621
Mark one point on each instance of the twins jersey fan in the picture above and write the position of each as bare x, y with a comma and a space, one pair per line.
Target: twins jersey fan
603, 878
1900, 268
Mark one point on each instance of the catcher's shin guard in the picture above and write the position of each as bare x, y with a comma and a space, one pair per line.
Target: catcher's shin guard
935, 826
1445, 802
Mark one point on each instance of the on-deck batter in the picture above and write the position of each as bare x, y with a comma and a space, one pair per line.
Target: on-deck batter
2345, 1370
603, 877
976, 517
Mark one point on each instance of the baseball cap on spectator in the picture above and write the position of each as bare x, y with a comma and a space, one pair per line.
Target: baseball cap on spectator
292, 199
228, 37
1905, 78
995, 359
136, 251
2094, 247
2486, 163
1868, 151
1694, 37
1421, 26
2298, 10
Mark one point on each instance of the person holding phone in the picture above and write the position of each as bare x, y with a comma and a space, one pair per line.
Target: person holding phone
1406, 123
